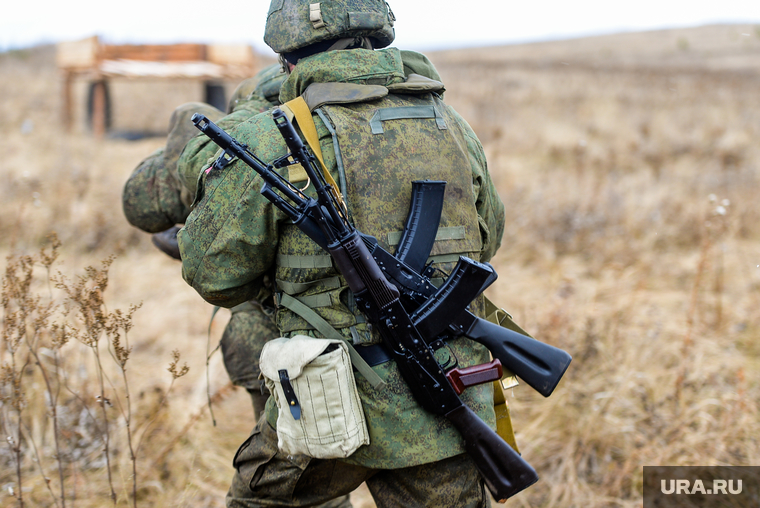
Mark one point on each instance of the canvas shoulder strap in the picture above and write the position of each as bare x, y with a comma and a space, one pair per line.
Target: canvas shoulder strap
300, 110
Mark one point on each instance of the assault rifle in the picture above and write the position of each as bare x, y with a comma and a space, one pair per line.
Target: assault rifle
408, 336
539, 365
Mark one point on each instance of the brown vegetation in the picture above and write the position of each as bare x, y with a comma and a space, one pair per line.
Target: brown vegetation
629, 166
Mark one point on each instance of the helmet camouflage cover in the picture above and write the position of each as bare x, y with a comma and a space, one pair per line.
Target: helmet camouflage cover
294, 24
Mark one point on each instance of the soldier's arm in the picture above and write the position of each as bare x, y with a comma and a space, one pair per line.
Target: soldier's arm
150, 199
487, 201
230, 238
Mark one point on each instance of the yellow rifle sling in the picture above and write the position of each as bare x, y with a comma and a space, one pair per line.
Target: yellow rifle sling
302, 114
503, 420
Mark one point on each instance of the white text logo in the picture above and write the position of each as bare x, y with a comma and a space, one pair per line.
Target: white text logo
698, 487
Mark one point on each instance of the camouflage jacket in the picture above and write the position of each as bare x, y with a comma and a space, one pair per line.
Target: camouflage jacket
260, 92
234, 235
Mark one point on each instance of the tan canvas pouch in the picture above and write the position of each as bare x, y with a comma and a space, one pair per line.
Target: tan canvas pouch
319, 410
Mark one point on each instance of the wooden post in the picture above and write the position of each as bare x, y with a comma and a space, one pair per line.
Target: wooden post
67, 110
99, 108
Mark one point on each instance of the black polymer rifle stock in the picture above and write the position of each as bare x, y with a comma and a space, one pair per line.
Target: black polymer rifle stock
356, 257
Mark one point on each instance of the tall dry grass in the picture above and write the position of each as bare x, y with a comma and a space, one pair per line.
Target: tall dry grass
629, 168
70, 184
630, 173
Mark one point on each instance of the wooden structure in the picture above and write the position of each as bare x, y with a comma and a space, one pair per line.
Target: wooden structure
90, 59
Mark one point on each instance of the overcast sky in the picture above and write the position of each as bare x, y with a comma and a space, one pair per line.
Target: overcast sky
422, 24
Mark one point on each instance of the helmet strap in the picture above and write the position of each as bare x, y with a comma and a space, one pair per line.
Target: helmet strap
284, 64
351, 43
320, 47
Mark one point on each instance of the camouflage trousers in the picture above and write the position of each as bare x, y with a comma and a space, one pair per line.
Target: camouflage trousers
267, 477
249, 328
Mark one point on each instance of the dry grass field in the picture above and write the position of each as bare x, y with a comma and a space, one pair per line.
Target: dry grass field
630, 169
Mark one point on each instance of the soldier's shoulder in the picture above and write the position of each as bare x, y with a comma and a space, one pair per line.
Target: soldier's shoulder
261, 135
417, 63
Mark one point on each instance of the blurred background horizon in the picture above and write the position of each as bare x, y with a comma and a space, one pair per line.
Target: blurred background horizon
448, 26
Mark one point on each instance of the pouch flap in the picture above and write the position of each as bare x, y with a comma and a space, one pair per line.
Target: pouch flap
291, 354
417, 84
319, 94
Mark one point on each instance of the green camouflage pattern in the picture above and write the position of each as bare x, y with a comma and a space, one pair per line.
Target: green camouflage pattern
149, 202
199, 149
234, 235
289, 26
268, 81
153, 199
353, 63
182, 130
260, 92
265, 476
372, 192
250, 326
156, 196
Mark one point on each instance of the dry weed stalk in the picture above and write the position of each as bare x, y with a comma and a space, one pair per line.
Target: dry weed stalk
217, 397
176, 372
36, 340
715, 228
86, 295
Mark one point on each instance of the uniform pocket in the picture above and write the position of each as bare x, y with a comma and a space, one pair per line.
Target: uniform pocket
254, 454
267, 472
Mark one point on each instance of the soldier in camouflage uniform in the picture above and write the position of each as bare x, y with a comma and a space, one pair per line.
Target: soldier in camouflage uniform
234, 235
155, 200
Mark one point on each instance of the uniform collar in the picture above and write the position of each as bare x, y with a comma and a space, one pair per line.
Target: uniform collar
360, 66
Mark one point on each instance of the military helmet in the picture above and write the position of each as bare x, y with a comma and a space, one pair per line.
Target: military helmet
296, 24
182, 130
242, 91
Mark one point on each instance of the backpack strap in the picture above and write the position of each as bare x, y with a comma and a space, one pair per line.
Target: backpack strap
302, 114
328, 332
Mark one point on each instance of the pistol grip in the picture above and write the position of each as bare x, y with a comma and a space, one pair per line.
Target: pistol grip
475, 375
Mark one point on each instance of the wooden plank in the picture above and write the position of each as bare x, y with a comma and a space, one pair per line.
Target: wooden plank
154, 52
77, 54
67, 109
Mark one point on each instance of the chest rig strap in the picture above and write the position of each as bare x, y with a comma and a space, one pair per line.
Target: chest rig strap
302, 114
328, 332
